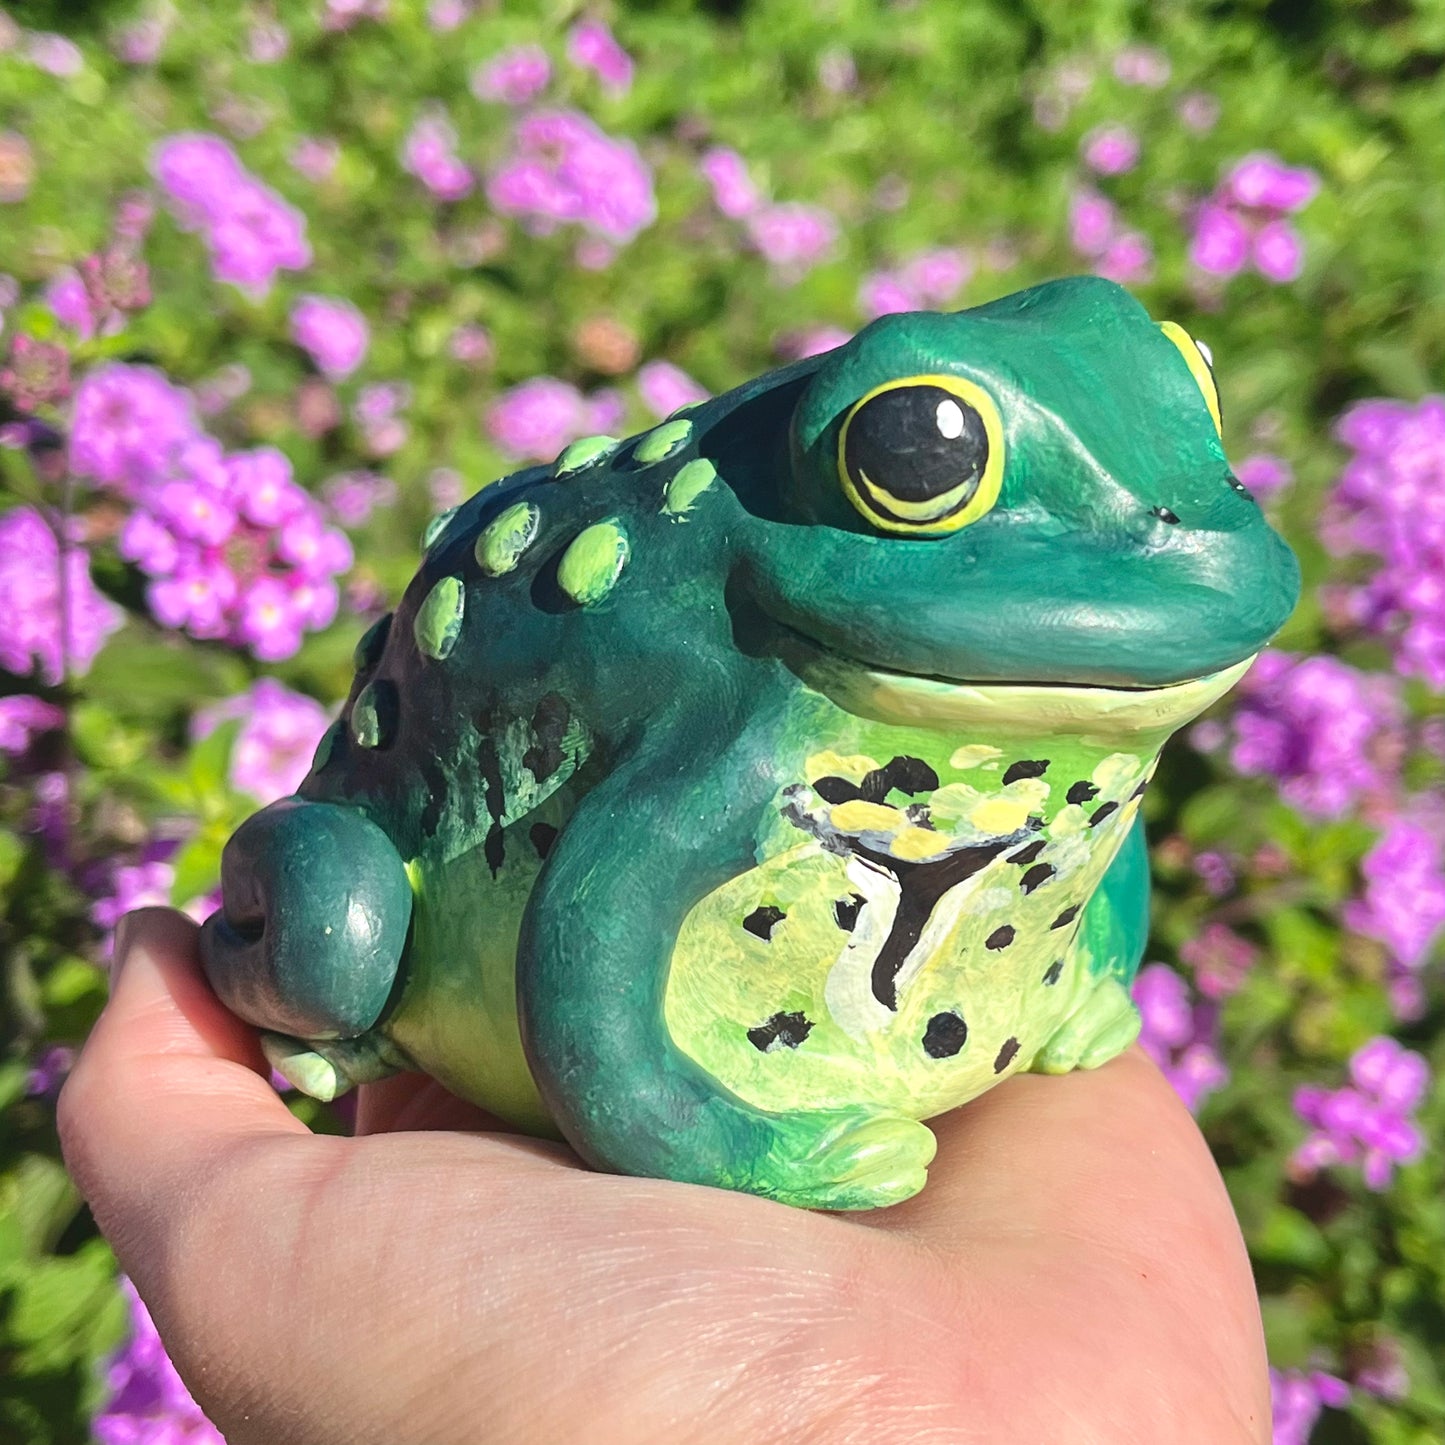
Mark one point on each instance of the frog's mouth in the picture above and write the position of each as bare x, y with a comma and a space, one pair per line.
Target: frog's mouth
909, 699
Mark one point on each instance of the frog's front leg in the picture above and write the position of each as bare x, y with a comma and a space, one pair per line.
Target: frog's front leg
1113, 934
592, 966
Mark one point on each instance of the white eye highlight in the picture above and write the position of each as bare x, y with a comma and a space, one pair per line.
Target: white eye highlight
949, 417
1204, 351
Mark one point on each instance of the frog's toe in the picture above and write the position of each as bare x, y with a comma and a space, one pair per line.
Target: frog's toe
314, 921
849, 1159
1102, 1028
328, 1070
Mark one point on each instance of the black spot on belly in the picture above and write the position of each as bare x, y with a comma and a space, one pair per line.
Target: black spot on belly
762, 920
1055, 969
907, 775
845, 911
1001, 937
1066, 917
1081, 791
1101, 813
1039, 873
782, 1030
837, 790
490, 766
1025, 768
1006, 1055
1028, 852
543, 835
945, 1035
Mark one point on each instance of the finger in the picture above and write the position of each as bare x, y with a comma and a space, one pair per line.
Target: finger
167, 1082
410, 1101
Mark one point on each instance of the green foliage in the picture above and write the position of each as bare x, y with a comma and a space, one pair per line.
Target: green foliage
936, 144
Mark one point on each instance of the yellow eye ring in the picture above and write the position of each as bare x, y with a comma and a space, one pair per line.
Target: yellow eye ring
965, 415
1199, 368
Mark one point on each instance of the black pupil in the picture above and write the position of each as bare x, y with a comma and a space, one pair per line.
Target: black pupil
917, 442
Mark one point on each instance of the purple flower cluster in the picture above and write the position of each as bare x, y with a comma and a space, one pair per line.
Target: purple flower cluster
23, 718
665, 387
592, 46
1110, 150
277, 740
1390, 501
563, 169
1367, 1122
1179, 1035
534, 421
250, 231
143, 884
332, 332
31, 601
512, 77
930, 279
236, 550
1243, 223
1220, 958
430, 154
37, 374
1265, 474
1097, 233
791, 236
1323, 729
377, 412
147, 1403
1298, 1396
354, 496
1403, 904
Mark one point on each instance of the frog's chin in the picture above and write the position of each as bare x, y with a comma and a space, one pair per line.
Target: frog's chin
1008, 707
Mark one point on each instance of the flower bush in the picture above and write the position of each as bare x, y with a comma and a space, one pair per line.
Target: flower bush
279, 283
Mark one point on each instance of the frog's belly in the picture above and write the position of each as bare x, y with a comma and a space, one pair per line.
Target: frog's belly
775, 982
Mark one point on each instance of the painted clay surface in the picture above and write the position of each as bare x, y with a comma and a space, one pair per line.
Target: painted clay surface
730, 799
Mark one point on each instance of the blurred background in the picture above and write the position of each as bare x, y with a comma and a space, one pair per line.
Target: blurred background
281, 282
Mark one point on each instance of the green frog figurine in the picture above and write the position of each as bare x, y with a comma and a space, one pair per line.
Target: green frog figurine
729, 799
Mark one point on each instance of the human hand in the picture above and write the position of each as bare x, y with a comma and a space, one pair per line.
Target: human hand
1072, 1274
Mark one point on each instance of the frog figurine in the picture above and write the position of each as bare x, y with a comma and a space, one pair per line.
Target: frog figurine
730, 799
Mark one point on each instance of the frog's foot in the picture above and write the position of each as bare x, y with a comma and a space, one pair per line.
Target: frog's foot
326, 1069
1101, 1028
845, 1159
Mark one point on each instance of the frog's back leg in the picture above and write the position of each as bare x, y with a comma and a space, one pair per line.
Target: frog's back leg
592, 965
1113, 933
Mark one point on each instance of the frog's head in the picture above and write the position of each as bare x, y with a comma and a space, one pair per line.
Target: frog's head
1030, 492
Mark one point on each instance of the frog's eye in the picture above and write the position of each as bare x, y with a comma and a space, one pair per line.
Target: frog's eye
923, 455
1200, 364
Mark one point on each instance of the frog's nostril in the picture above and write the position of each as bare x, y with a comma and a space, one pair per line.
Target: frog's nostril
1165, 515
314, 920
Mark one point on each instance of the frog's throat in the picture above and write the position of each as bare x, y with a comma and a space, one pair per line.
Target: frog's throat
1107, 713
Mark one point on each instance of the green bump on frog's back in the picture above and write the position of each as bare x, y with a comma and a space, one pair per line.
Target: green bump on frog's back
781, 786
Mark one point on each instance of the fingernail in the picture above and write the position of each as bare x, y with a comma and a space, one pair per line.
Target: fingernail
119, 948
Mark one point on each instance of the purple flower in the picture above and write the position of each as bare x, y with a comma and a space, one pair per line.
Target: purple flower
250, 231
513, 77
128, 424
1220, 244
446, 487
1263, 182
1318, 726
1404, 901
1128, 259
147, 1402
1220, 958
23, 718
1264, 474
1092, 223
733, 191
883, 293
1298, 1397
1366, 1123
429, 153
146, 884
792, 237
30, 598
332, 331
353, 496
814, 341
563, 169
377, 412
470, 344
48, 1072
665, 387
315, 157
535, 420
1110, 150
277, 739
54, 54
1199, 111
1279, 253
69, 302
1142, 65
1180, 1036
38, 373
936, 277
591, 45
447, 15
